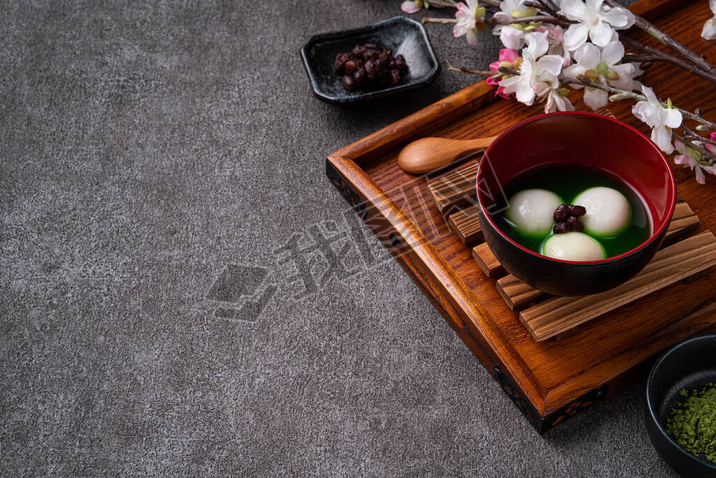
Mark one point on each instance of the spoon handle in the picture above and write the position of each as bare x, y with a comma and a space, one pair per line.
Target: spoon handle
428, 154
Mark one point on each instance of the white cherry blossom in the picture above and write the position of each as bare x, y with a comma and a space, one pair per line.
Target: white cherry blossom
601, 67
538, 74
555, 37
513, 36
662, 120
709, 31
557, 102
468, 16
596, 21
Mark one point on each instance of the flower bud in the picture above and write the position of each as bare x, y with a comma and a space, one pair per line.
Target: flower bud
591, 75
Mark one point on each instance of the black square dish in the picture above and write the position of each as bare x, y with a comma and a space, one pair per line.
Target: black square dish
401, 35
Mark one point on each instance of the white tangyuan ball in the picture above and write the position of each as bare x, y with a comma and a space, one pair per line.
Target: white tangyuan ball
573, 246
608, 211
532, 210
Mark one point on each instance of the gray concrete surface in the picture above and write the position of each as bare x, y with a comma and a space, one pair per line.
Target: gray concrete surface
158, 163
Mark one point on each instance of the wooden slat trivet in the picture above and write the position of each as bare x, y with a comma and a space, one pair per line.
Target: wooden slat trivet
454, 189
672, 264
517, 294
683, 223
466, 224
487, 260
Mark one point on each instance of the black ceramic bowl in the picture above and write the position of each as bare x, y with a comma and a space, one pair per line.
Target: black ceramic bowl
575, 138
401, 35
689, 365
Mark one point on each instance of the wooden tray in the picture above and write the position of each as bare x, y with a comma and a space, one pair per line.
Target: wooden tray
549, 380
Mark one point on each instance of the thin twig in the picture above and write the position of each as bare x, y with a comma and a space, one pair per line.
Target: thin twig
441, 3
458, 69
692, 134
665, 39
534, 19
442, 21
653, 54
623, 94
707, 159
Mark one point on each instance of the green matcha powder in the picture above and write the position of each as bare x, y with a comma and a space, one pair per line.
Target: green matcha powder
693, 422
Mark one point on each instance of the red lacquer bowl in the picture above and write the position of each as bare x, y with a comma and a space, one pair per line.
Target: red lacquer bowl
588, 139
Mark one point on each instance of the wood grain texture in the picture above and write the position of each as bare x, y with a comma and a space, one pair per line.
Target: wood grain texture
454, 189
613, 350
518, 295
672, 264
466, 224
487, 261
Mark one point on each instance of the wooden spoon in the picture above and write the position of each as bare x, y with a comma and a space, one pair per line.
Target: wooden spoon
428, 154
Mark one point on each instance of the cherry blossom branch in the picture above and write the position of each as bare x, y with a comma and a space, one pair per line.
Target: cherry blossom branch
692, 134
648, 27
686, 58
440, 21
620, 94
441, 3
458, 69
434, 3
655, 54
704, 153
534, 19
503, 20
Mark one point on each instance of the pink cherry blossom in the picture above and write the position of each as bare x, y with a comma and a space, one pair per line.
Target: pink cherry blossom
711, 148
688, 159
409, 6
507, 56
468, 17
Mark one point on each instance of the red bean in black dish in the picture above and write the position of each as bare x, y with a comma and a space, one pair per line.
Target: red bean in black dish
368, 66
408, 63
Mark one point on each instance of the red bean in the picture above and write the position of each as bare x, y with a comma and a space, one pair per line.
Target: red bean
576, 210
348, 82
369, 65
350, 67
561, 213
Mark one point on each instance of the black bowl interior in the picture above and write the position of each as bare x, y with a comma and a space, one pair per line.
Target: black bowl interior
691, 364
401, 35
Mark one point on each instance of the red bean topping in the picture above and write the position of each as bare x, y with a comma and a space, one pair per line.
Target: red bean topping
573, 224
559, 228
561, 213
576, 210
566, 218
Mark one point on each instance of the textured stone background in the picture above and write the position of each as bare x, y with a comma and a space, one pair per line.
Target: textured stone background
154, 159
